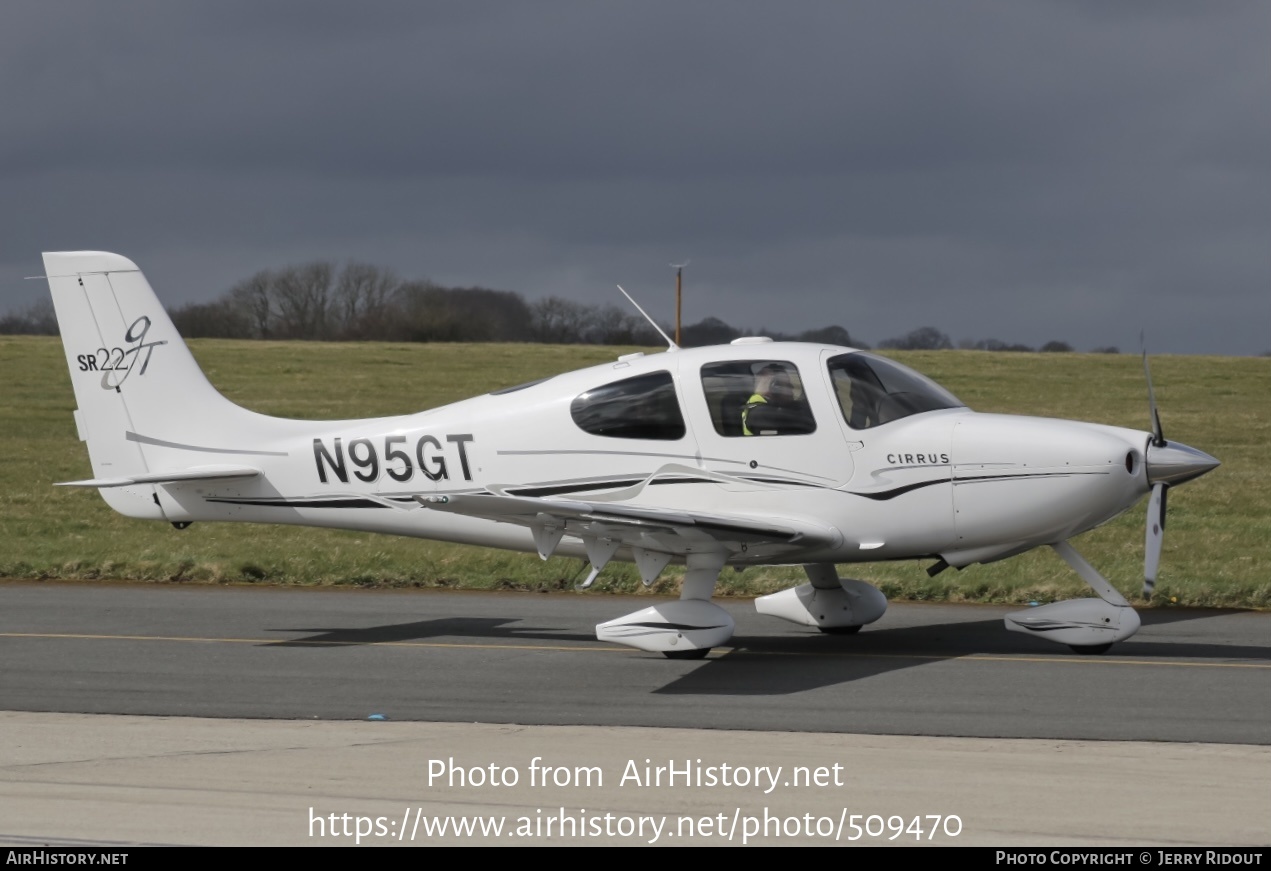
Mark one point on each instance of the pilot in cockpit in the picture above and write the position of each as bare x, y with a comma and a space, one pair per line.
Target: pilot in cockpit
774, 402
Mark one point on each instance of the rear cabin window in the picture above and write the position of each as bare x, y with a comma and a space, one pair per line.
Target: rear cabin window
757, 398
643, 407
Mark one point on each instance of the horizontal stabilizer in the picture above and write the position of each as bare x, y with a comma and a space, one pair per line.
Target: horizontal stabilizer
195, 473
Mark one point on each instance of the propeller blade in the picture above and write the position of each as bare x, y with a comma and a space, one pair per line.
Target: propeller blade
1155, 538
1158, 436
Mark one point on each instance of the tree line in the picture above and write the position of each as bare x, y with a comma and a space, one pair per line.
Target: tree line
363, 302
931, 339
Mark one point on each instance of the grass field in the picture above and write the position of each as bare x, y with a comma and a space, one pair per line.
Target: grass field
1217, 548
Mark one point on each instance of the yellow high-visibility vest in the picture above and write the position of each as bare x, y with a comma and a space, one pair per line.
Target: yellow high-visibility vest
754, 400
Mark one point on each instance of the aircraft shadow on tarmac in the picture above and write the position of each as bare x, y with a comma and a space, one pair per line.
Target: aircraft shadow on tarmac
783, 664
490, 628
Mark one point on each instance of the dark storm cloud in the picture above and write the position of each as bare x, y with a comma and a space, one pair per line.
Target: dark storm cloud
1019, 170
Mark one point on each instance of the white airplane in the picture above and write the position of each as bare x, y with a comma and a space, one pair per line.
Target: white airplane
754, 453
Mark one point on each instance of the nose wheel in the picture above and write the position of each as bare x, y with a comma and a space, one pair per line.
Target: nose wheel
1090, 649
1086, 626
696, 653
840, 630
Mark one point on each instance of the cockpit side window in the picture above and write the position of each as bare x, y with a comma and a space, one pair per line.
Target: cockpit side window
757, 398
643, 407
872, 390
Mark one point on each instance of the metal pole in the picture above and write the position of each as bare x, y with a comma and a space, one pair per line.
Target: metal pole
679, 272
679, 295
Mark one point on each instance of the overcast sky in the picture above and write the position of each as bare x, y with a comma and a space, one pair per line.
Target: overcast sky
1017, 170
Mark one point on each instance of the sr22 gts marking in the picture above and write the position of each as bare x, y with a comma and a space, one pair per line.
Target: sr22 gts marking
108, 360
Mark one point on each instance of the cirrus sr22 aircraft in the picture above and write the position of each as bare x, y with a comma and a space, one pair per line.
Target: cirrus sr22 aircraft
754, 453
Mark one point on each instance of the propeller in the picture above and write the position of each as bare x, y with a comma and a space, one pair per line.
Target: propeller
1155, 538
1158, 436
1168, 464
1156, 504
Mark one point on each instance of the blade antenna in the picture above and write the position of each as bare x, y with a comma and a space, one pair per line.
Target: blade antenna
671, 346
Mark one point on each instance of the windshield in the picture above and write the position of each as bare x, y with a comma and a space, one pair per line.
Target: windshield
873, 390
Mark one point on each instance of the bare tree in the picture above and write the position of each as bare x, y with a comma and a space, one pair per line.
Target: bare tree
432, 313
250, 298
560, 321
365, 301
921, 339
996, 345
37, 319
213, 320
831, 335
708, 331
302, 300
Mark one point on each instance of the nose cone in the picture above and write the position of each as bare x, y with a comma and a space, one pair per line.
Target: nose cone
1174, 462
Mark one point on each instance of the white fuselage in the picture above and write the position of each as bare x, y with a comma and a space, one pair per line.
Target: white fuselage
949, 482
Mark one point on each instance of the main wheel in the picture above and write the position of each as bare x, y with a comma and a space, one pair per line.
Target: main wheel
840, 630
1091, 649
695, 653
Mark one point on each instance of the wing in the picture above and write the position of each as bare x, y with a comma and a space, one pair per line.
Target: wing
654, 535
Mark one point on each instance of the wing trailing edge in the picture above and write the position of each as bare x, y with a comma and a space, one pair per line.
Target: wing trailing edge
652, 534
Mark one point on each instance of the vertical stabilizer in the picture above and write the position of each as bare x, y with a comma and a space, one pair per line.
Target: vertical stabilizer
136, 383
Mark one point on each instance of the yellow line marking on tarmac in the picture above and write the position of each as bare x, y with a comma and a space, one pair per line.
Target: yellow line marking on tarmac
1098, 660
300, 642
996, 657
717, 653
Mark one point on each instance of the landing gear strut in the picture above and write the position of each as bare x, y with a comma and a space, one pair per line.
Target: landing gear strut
685, 629
836, 606
1088, 626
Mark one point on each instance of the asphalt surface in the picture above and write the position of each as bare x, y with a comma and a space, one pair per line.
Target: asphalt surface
936, 670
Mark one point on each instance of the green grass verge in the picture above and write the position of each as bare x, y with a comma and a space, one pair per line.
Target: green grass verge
1217, 548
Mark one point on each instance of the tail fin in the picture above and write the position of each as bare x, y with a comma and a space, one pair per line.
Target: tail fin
137, 385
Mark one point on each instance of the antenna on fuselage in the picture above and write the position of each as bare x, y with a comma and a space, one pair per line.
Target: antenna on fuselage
670, 345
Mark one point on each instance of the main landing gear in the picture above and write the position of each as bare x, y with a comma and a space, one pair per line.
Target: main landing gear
690, 627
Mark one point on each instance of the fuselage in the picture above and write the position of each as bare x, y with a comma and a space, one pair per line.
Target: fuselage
888, 463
